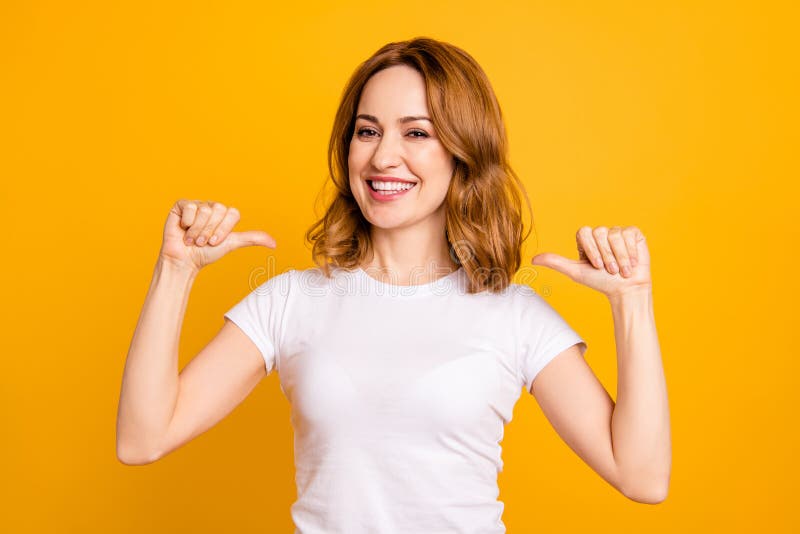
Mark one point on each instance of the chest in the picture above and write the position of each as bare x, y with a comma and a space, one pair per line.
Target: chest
415, 366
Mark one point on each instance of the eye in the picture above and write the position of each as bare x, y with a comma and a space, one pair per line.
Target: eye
368, 132
364, 131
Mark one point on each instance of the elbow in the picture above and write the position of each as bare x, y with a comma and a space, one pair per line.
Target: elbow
656, 496
132, 459
135, 460
132, 456
650, 493
134, 447
646, 485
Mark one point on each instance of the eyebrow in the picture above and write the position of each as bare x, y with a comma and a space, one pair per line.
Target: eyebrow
401, 120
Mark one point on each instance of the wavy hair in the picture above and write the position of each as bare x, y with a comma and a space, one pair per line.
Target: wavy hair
484, 227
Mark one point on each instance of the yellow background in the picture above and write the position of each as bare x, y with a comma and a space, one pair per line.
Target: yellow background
676, 117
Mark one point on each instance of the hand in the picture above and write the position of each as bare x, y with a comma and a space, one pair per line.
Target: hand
611, 260
198, 233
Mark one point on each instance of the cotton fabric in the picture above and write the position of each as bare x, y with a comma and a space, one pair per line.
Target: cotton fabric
399, 394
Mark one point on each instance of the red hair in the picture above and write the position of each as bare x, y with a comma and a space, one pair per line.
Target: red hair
484, 226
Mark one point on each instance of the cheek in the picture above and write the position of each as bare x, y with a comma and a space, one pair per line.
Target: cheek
435, 167
354, 164
356, 159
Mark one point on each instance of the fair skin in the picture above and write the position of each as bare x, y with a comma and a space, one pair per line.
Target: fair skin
627, 443
159, 409
408, 237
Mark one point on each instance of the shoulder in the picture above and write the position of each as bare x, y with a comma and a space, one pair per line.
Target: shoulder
512, 303
526, 303
515, 295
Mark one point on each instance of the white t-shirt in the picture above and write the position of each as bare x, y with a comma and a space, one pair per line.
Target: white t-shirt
399, 394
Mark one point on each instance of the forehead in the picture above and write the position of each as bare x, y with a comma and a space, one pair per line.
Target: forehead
394, 92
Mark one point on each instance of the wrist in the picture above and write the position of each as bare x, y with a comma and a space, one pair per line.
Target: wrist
636, 293
174, 268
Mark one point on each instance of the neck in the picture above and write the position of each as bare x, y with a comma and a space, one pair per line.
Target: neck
410, 255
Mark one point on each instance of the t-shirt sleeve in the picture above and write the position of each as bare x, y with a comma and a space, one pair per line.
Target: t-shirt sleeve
260, 315
543, 335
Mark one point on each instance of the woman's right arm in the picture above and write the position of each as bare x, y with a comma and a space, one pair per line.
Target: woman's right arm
159, 408
150, 380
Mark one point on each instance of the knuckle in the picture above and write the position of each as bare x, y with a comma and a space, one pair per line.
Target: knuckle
233, 211
599, 231
205, 210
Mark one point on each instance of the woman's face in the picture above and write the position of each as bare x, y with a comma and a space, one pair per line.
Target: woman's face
390, 140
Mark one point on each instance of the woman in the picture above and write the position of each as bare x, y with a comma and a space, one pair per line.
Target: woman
404, 351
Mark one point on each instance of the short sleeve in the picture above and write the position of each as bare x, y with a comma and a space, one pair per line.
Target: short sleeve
543, 335
260, 315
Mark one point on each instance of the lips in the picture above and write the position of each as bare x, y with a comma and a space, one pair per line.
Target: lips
389, 196
379, 178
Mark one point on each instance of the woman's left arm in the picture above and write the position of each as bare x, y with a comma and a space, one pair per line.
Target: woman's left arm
637, 454
640, 428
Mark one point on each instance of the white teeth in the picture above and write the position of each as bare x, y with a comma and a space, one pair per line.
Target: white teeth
391, 186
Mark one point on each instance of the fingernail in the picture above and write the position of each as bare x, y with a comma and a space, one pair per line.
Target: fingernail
189, 240
633, 262
626, 271
213, 239
613, 267
201, 240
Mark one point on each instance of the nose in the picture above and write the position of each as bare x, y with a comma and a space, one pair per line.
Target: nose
388, 152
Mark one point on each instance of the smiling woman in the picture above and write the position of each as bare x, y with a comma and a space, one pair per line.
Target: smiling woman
400, 388
422, 112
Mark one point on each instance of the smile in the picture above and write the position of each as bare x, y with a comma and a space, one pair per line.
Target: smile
386, 191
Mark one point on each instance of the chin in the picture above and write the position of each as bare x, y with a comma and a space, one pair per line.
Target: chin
386, 223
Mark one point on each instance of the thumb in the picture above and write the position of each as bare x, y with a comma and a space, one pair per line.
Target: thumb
557, 263
250, 238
